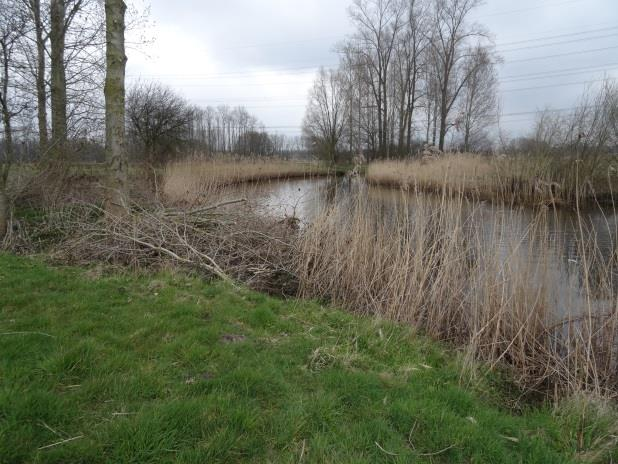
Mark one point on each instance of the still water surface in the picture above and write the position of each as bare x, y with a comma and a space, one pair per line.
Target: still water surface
554, 249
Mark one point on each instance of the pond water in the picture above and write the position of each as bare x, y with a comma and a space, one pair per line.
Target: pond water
554, 247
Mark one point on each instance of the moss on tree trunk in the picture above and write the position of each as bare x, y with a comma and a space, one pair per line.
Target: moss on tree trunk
115, 107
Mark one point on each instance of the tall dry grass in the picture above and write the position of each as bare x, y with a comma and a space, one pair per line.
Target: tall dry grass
426, 263
483, 290
194, 179
531, 180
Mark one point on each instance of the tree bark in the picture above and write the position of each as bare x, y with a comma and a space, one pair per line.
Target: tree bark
41, 93
115, 107
443, 119
4, 213
58, 79
8, 140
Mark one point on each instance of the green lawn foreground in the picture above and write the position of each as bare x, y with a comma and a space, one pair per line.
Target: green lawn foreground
129, 369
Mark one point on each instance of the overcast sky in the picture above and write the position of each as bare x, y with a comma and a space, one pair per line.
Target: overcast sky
264, 54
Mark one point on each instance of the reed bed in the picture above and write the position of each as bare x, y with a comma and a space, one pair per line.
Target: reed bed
427, 262
194, 179
485, 292
529, 180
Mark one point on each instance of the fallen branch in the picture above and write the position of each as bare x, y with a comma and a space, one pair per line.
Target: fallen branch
213, 269
206, 209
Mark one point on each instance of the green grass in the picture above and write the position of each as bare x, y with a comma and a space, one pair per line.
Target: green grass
172, 369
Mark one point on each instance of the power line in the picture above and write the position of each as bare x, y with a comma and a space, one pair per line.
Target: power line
314, 67
533, 76
250, 100
516, 78
249, 74
236, 85
286, 99
566, 84
284, 43
557, 110
560, 55
248, 128
309, 68
568, 30
523, 10
340, 37
559, 43
519, 42
553, 76
233, 73
553, 73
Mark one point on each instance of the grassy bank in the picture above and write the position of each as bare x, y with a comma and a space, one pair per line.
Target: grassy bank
133, 369
196, 178
529, 180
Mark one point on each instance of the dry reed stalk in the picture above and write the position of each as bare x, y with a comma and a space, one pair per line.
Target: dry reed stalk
486, 292
193, 180
531, 180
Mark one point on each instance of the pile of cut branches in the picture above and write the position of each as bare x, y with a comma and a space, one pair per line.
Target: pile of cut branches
226, 240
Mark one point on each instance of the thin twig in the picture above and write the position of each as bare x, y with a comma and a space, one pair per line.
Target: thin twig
61, 442
302, 452
384, 451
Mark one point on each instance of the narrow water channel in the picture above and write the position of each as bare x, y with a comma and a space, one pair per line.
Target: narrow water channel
553, 245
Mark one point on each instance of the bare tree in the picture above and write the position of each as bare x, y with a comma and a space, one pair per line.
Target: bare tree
406, 56
410, 62
160, 121
450, 46
378, 24
479, 99
77, 68
115, 107
325, 119
36, 52
12, 29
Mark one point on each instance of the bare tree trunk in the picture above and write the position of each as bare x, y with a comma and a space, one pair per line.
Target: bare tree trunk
411, 102
435, 123
443, 116
467, 137
4, 168
385, 135
428, 120
115, 107
35, 7
4, 213
58, 79
4, 175
8, 140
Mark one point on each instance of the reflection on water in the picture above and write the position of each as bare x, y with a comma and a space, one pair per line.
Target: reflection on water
547, 243
300, 198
